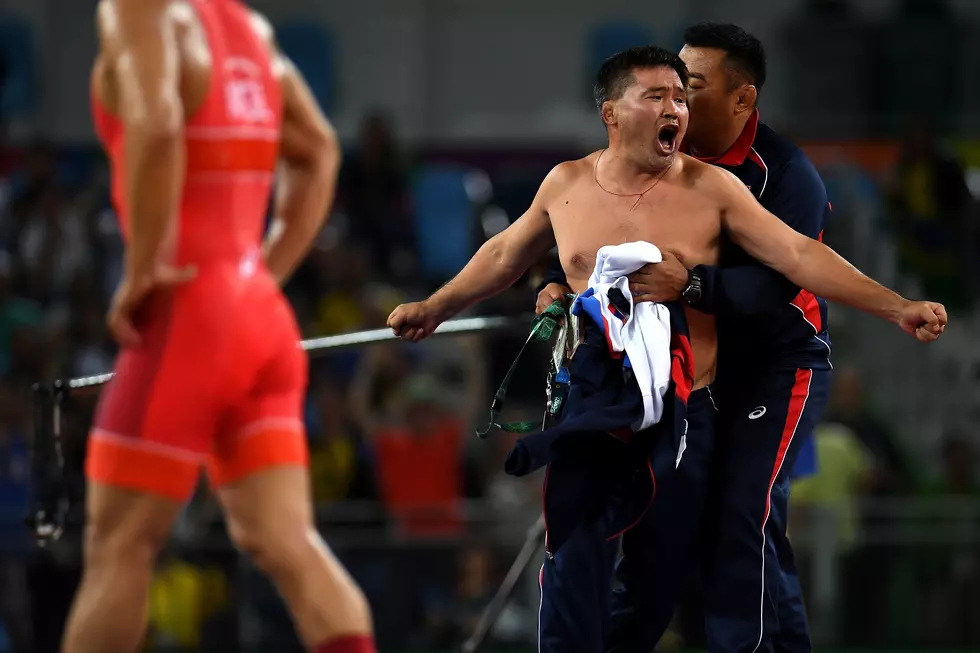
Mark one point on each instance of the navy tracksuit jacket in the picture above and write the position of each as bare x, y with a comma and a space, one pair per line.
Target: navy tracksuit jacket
771, 389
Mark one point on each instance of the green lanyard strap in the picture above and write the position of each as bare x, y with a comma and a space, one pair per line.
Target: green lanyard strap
542, 329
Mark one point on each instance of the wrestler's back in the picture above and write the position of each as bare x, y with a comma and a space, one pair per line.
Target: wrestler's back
674, 216
233, 115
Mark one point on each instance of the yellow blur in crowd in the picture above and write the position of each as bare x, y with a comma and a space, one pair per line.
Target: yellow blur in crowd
182, 598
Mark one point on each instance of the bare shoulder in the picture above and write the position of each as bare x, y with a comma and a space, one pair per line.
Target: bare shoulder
565, 175
118, 20
262, 27
107, 25
709, 180
267, 34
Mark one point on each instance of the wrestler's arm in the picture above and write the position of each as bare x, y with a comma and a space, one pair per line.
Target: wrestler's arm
309, 163
142, 47
504, 258
798, 197
806, 262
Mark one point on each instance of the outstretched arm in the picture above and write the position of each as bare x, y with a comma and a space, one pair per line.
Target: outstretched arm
799, 198
495, 267
310, 162
503, 259
140, 43
814, 266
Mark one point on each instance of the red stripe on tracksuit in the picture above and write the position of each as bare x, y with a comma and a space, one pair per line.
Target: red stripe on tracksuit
797, 403
807, 303
681, 366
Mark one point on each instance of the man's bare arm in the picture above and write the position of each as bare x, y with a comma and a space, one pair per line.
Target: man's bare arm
143, 50
310, 161
804, 261
504, 258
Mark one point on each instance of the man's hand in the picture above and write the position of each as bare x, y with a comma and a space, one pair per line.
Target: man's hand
924, 320
550, 294
659, 282
132, 294
412, 322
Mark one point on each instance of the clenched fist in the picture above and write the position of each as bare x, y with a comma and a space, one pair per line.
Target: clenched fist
412, 322
924, 320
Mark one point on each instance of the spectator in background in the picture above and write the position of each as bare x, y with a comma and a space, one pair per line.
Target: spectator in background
183, 597
461, 370
340, 464
892, 472
374, 191
826, 507
886, 471
931, 208
418, 446
338, 294
347, 297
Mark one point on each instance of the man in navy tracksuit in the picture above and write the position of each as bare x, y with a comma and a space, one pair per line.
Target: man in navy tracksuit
773, 366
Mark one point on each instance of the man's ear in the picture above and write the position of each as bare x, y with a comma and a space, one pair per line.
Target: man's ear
746, 97
609, 113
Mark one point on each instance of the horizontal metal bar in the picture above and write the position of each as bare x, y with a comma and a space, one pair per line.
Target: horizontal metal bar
346, 340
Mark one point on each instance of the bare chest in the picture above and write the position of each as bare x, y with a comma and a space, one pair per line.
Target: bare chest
672, 218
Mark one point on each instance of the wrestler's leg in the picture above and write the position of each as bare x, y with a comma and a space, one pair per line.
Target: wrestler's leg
259, 468
125, 531
270, 517
153, 424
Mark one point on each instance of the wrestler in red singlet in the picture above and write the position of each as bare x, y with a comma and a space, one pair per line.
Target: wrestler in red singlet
218, 376
196, 108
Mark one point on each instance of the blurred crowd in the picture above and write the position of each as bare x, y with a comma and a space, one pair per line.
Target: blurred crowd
419, 509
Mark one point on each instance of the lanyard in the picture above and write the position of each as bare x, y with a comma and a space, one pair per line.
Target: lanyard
554, 318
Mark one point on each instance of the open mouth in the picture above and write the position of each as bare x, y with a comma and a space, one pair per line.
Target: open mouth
667, 137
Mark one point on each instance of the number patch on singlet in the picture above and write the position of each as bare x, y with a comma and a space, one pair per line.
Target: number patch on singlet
246, 101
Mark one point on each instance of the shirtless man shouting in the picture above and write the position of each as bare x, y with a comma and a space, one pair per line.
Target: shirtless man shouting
640, 188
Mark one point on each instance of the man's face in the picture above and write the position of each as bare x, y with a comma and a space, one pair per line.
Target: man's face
652, 114
711, 94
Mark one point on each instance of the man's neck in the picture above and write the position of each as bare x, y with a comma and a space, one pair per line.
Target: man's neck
617, 165
719, 143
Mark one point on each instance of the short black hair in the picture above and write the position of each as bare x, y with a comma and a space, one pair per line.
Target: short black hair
616, 73
744, 53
